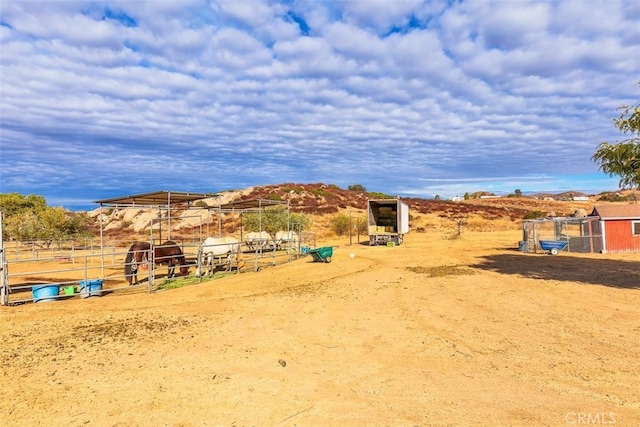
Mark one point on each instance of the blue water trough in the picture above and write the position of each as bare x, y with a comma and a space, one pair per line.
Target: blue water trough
91, 288
45, 293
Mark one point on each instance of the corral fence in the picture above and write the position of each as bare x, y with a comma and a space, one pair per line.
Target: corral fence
72, 265
582, 234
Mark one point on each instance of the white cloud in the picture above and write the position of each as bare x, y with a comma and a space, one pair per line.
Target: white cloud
380, 15
389, 94
254, 13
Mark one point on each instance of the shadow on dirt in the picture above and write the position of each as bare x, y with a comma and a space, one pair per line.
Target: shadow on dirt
605, 272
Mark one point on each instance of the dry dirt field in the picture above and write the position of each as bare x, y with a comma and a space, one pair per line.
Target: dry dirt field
434, 332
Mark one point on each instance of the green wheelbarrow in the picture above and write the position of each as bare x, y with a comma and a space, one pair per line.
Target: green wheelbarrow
322, 254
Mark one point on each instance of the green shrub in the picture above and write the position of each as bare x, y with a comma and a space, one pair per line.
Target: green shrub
379, 196
534, 215
340, 224
274, 220
357, 187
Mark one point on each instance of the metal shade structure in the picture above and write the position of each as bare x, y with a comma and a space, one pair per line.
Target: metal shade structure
155, 199
252, 205
256, 206
166, 199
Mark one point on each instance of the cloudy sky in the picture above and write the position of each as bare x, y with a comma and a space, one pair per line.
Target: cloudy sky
406, 97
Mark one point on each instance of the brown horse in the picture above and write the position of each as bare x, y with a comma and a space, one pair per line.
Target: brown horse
167, 253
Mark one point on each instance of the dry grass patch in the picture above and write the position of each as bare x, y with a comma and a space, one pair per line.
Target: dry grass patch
443, 270
479, 224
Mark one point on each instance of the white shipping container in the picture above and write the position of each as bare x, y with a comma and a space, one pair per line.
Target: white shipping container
388, 221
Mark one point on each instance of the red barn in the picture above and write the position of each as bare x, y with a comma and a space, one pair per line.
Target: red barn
620, 226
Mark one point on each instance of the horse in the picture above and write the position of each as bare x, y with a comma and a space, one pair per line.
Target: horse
259, 240
285, 238
167, 253
223, 247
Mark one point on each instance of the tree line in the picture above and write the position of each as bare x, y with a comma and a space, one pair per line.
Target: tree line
29, 218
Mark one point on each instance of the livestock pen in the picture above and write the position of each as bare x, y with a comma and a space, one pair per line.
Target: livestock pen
70, 264
582, 234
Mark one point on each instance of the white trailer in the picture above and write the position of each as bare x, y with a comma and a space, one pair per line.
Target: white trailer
388, 221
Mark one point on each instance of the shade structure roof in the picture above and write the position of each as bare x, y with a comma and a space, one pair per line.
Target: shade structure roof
246, 205
155, 198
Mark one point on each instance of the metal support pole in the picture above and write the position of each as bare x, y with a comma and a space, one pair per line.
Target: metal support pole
101, 244
4, 283
150, 266
219, 217
169, 215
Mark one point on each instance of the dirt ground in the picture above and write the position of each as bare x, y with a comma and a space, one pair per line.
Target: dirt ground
433, 332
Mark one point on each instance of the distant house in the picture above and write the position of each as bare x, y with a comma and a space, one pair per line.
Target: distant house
620, 226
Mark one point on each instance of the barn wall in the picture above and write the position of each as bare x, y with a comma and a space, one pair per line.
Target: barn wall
620, 238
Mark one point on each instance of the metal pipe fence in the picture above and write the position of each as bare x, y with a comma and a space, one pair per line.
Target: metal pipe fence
26, 266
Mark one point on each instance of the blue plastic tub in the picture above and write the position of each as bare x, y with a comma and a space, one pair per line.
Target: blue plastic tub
43, 293
553, 246
91, 288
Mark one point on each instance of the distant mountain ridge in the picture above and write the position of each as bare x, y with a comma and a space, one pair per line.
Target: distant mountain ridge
560, 196
324, 201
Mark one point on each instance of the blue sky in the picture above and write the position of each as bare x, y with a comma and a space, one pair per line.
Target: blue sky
409, 98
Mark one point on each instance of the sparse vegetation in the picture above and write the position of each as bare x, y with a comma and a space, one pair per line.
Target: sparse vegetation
357, 187
442, 270
459, 222
275, 219
177, 282
614, 197
376, 195
340, 224
362, 225
534, 215
322, 192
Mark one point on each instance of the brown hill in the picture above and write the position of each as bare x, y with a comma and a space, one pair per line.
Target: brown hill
321, 202
319, 199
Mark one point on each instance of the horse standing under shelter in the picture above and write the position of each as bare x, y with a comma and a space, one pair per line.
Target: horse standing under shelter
216, 248
167, 253
259, 240
285, 239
